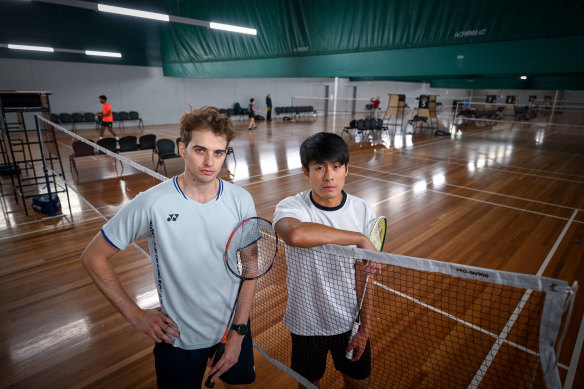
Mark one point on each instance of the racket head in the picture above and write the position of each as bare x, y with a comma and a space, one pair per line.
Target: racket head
377, 231
251, 248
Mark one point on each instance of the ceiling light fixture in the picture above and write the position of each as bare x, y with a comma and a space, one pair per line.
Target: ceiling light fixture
103, 53
523, 77
132, 12
33, 48
151, 15
228, 27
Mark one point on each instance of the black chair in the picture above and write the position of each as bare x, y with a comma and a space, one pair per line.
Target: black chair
232, 153
136, 116
116, 117
128, 143
80, 149
124, 117
360, 126
77, 117
418, 121
110, 144
166, 150
90, 117
352, 125
147, 142
65, 118
54, 118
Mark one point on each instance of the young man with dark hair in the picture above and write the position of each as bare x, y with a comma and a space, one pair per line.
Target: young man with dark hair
107, 117
319, 316
188, 221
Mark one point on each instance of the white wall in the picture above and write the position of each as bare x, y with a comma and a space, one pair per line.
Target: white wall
158, 99
162, 100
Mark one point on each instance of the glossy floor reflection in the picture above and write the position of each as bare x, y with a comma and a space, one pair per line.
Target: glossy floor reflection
501, 195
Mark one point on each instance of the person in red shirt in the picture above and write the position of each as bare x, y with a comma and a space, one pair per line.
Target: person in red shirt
107, 117
375, 105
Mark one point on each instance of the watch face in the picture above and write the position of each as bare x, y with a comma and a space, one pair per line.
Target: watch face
240, 328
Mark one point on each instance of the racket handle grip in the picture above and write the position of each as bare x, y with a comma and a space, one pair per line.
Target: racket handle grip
354, 330
218, 354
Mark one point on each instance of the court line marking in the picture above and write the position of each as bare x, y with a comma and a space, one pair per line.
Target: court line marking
450, 316
575, 357
509, 325
468, 198
429, 181
524, 123
472, 134
431, 190
106, 219
502, 170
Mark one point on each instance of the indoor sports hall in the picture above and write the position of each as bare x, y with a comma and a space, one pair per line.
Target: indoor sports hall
474, 152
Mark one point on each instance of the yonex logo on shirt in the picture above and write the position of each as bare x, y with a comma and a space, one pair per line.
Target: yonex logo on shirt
172, 217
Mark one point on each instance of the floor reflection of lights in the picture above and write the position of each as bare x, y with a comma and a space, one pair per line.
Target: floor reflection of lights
44, 343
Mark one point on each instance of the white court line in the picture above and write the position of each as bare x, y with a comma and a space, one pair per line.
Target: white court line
429, 181
471, 199
502, 170
106, 219
495, 349
464, 322
524, 123
575, 357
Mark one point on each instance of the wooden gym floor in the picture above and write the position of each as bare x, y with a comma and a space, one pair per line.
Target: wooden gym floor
506, 196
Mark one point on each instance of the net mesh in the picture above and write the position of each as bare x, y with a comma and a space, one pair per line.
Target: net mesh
89, 170
432, 324
341, 104
562, 113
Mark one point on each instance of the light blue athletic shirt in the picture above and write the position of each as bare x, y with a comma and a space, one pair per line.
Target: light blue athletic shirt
187, 245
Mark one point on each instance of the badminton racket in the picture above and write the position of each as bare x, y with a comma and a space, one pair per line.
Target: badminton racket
377, 230
249, 254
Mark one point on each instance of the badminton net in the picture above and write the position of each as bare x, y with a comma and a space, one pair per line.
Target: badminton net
433, 324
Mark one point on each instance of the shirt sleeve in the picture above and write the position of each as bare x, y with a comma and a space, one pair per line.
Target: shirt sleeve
289, 207
130, 223
248, 206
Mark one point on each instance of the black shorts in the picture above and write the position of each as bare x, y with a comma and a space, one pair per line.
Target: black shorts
309, 355
179, 368
251, 115
107, 124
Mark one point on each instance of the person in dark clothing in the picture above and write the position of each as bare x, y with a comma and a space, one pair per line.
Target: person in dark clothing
269, 107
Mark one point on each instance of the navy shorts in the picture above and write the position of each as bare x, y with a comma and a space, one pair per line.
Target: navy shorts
178, 368
309, 355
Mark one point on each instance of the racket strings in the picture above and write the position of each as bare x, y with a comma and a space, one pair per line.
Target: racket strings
251, 250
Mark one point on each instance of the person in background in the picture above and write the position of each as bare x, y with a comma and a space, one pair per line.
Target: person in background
107, 117
252, 110
375, 102
269, 107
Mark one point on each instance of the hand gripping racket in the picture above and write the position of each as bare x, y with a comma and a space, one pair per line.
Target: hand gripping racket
377, 231
249, 254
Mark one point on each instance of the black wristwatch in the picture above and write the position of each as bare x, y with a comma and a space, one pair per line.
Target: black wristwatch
241, 329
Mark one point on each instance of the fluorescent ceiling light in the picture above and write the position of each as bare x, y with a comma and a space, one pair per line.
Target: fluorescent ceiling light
103, 53
33, 48
132, 12
524, 77
227, 27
